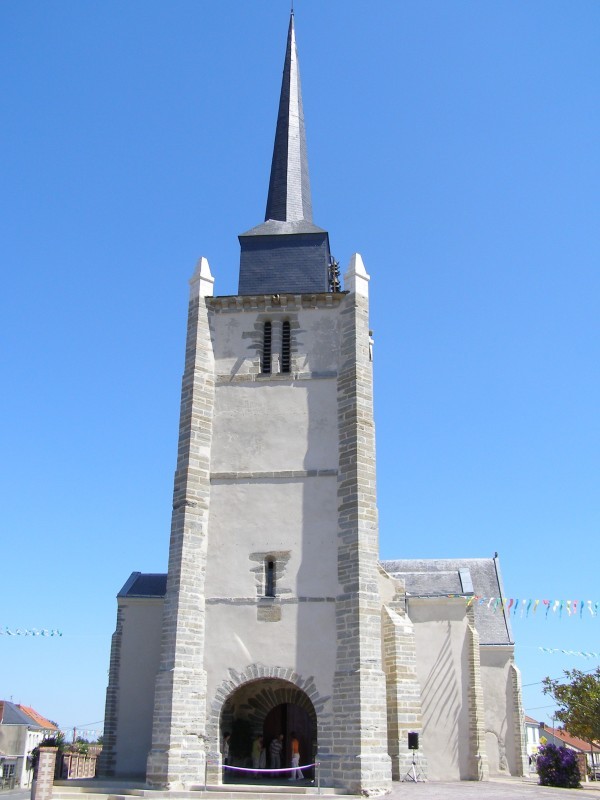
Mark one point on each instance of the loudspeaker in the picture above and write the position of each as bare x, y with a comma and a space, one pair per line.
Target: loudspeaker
413, 740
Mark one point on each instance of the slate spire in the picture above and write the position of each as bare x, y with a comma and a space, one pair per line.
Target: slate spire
289, 187
287, 252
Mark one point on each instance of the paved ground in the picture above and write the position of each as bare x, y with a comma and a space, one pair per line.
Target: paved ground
500, 789
510, 789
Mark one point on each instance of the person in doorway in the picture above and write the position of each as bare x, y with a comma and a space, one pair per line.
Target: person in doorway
275, 749
257, 750
296, 772
225, 749
262, 759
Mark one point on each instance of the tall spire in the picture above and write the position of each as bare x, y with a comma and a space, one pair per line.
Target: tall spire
287, 252
289, 187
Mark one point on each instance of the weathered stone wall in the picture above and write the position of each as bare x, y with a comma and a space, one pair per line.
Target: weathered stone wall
478, 766
108, 756
360, 761
177, 758
403, 691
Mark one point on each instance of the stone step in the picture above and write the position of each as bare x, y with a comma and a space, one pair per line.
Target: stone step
85, 790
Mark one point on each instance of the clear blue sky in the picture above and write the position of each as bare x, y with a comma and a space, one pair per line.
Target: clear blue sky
454, 145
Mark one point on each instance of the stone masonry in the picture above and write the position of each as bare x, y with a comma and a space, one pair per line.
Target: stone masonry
177, 757
107, 759
404, 712
518, 720
478, 761
361, 762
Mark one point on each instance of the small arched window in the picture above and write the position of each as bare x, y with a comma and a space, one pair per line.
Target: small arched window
265, 366
285, 347
269, 578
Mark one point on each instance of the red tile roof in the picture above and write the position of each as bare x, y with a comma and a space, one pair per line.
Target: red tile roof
570, 741
42, 722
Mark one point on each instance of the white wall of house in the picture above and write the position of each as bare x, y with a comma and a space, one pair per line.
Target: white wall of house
532, 736
16, 743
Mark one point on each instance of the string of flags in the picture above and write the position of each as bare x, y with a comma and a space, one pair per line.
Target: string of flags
29, 632
582, 653
91, 734
513, 605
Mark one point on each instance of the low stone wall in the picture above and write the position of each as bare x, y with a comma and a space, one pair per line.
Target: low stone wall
77, 765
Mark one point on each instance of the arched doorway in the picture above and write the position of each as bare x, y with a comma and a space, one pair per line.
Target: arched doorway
268, 707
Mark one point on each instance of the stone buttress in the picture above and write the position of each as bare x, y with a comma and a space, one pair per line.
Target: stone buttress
177, 757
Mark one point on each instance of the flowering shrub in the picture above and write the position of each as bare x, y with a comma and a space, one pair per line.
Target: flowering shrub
557, 766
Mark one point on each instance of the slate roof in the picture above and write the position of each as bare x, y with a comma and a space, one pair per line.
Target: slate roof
287, 253
289, 186
15, 714
275, 227
144, 585
444, 576
11, 714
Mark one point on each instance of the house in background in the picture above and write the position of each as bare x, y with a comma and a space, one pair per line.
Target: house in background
532, 737
560, 737
538, 733
21, 729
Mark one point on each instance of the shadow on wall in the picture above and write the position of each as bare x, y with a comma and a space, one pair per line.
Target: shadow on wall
441, 711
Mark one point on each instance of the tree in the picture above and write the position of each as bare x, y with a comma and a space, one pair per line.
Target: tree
81, 745
578, 702
57, 740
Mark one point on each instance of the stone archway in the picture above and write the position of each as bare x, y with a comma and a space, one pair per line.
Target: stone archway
252, 696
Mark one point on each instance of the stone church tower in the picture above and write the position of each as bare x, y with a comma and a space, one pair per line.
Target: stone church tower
272, 600
276, 614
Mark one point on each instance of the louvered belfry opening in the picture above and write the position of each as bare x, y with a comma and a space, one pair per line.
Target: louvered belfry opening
286, 353
267, 347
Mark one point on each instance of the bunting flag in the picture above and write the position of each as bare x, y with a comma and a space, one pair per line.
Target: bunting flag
91, 734
29, 632
582, 653
510, 605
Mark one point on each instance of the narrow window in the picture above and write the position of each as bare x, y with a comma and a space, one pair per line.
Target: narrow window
269, 578
285, 347
266, 353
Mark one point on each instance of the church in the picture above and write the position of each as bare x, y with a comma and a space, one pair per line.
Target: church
276, 616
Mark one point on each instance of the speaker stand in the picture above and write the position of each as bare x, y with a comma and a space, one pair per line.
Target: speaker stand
414, 773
